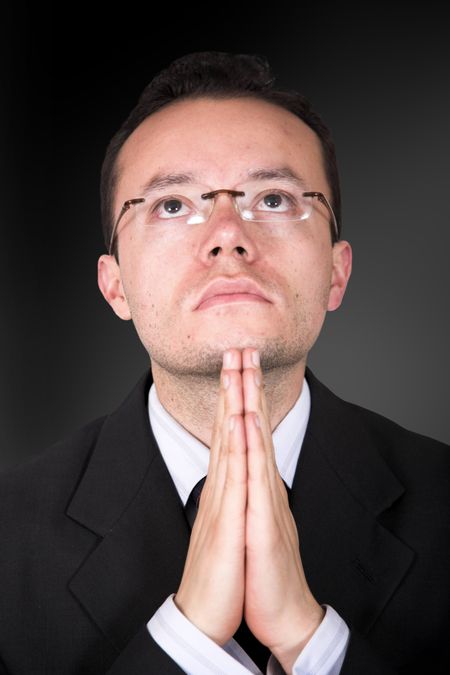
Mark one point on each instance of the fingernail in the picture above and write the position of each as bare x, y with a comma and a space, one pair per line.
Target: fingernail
227, 359
255, 358
226, 381
257, 422
257, 378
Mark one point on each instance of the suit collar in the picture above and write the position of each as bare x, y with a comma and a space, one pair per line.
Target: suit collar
337, 428
124, 453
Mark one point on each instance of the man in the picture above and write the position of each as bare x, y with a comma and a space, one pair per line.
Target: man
320, 540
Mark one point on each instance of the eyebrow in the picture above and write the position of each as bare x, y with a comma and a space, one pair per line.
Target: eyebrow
161, 181
279, 173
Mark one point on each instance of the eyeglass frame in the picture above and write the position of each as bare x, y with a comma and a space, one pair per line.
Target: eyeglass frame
234, 193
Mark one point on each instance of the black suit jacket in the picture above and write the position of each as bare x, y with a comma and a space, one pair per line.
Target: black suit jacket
93, 539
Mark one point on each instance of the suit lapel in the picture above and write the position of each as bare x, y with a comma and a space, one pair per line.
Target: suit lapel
341, 486
128, 499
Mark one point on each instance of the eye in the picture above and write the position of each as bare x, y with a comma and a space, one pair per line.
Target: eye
275, 201
175, 206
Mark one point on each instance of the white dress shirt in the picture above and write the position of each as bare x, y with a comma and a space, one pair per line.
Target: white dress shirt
187, 460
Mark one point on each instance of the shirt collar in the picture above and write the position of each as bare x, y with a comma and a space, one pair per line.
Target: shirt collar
187, 458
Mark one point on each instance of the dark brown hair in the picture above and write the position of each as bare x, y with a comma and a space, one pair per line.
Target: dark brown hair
217, 75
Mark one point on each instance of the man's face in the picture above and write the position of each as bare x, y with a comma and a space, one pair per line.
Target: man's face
164, 271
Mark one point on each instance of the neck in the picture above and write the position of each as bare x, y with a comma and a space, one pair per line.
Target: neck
192, 400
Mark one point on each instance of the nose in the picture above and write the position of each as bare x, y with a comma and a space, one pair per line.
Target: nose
226, 233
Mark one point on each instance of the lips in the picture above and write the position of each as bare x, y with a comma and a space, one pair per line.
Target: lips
224, 290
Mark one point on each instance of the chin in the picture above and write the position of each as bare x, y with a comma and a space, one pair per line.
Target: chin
237, 338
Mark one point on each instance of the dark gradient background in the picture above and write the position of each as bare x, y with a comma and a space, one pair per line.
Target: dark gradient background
380, 78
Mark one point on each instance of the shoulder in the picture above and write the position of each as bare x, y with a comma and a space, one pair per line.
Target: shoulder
406, 451
400, 475
411, 456
420, 463
50, 476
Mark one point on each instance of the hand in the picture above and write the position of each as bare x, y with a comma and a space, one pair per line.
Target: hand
211, 593
279, 608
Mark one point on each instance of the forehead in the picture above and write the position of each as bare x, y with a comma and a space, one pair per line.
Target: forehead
219, 141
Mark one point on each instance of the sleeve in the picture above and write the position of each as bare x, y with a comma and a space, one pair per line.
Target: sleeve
324, 653
158, 648
143, 656
361, 658
194, 651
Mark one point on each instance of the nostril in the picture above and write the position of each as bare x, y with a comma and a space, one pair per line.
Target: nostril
216, 250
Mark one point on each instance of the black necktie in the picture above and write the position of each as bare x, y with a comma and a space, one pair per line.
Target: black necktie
258, 652
192, 503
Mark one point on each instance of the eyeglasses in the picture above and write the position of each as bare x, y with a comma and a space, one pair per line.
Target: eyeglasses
257, 203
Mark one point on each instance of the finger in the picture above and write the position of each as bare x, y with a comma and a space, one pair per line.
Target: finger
225, 491
258, 476
233, 406
232, 396
235, 486
231, 360
232, 382
265, 485
252, 385
251, 360
251, 375
254, 401
224, 495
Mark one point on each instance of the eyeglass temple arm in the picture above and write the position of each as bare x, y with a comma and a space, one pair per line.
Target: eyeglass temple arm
321, 197
124, 209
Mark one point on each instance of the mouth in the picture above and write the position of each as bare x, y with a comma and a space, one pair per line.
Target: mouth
229, 290
228, 298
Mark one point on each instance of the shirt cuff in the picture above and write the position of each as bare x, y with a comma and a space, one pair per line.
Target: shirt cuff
194, 651
324, 653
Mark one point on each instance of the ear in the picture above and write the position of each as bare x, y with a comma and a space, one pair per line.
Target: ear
342, 268
110, 284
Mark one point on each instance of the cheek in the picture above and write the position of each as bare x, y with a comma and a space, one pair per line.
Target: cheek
151, 290
311, 267
139, 284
